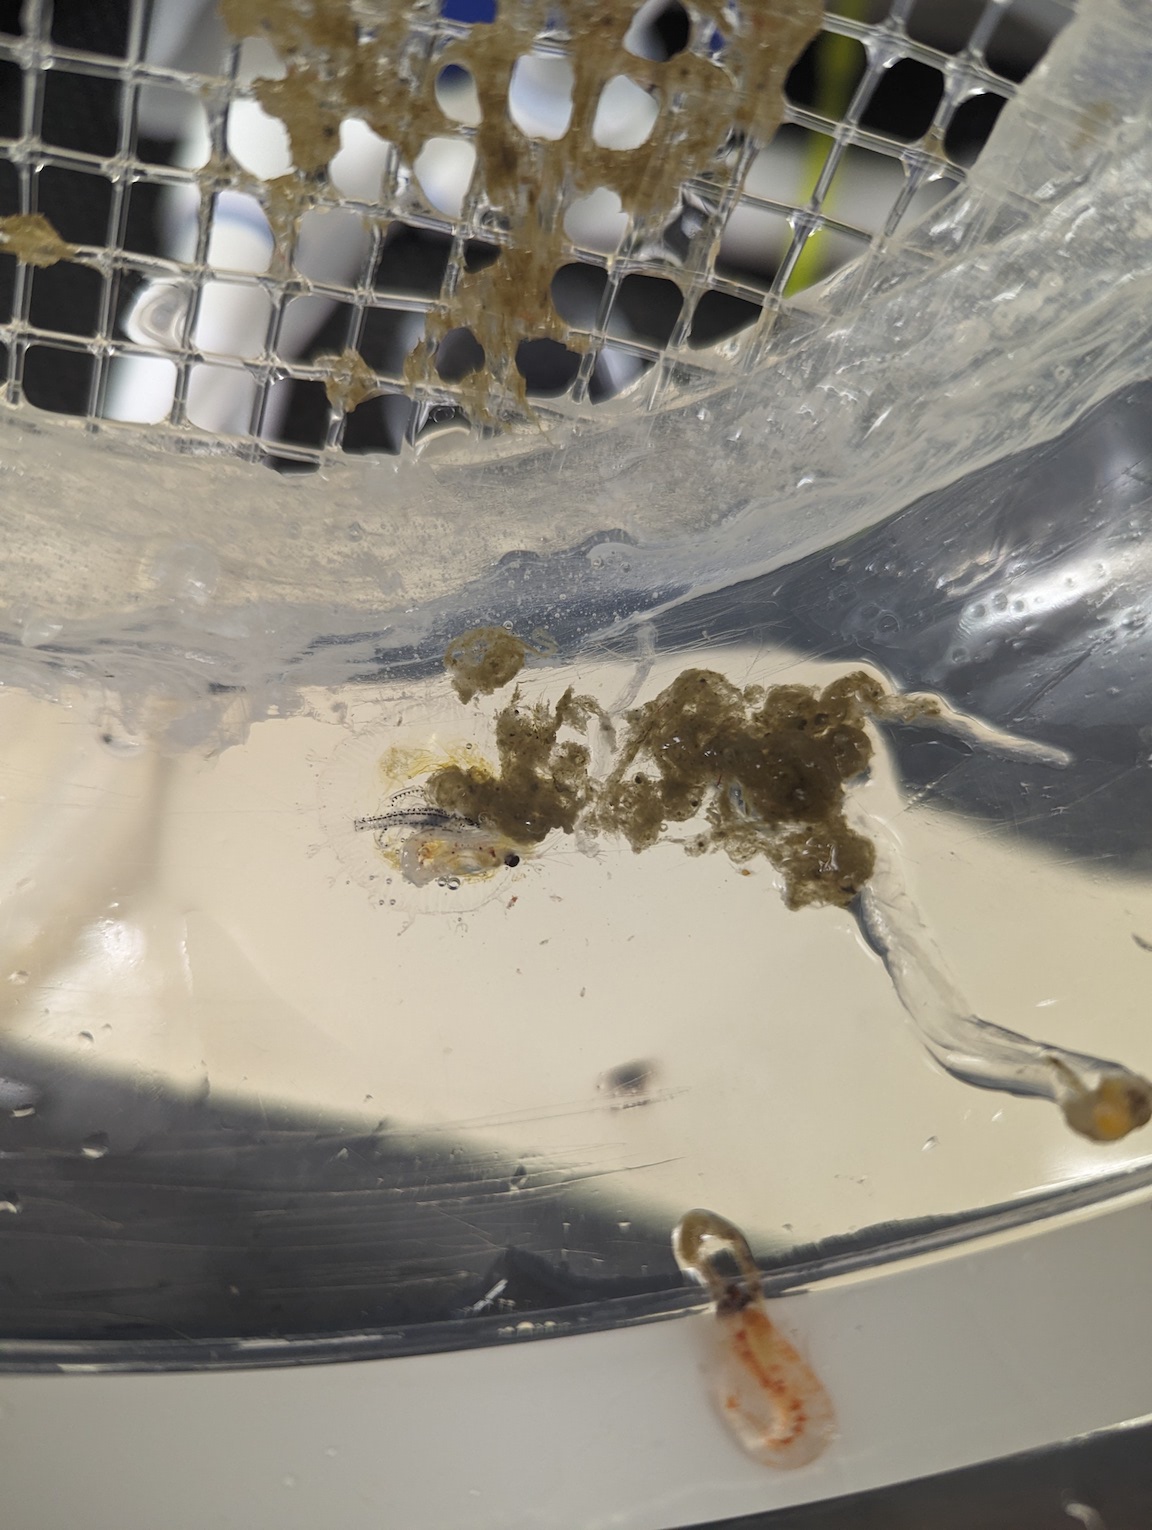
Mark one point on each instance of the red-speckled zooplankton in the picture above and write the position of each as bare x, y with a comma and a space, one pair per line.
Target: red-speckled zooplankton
767, 1393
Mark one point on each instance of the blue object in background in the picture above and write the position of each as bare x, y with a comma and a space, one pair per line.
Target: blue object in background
468, 10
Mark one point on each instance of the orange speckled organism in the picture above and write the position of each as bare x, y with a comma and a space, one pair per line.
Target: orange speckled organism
766, 1392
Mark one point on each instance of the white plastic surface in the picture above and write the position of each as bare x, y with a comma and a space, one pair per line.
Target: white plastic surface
1004, 1346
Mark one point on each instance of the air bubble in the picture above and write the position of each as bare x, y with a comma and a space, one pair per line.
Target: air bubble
86, 1038
11, 1203
929, 1144
18, 978
95, 1146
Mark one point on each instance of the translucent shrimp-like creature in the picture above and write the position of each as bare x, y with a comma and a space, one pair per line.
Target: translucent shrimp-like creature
429, 845
767, 1393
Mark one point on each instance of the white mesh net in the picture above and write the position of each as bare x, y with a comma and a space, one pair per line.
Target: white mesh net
514, 326
620, 200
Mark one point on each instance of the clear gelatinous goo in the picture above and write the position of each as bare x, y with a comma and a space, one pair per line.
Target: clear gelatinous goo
1101, 1100
767, 1393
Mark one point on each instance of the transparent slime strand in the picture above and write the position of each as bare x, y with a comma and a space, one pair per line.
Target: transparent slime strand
766, 1392
1100, 1099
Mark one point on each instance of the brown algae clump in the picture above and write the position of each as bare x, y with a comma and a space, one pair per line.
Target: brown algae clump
348, 380
481, 661
380, 64
541, 783
32, 239
763, 770
766, 769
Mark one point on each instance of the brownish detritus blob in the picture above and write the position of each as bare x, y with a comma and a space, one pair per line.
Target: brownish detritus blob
484, 659
343, 61
32, 239
349, 380
542, 781
286, 199
765, 768
1119, 1104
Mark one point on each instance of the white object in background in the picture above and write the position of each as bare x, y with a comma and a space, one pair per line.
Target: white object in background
1000, 1346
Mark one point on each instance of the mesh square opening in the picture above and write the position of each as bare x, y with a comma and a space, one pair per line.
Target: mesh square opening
946, 27
752, 246
314, 326
971, 126
140, 389
818, 255
66, 298
82, 112
296, 413
864, 189
646, 308
379, 426
904, 101
387, 336
826, 76
720, 315
77, 203
412, 262
91, 26
221, 399
58, 380
11, 97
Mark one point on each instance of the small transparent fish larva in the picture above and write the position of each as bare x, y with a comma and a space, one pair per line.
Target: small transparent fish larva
766, 1392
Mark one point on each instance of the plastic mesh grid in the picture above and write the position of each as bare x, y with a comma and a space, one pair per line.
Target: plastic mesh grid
696, 301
